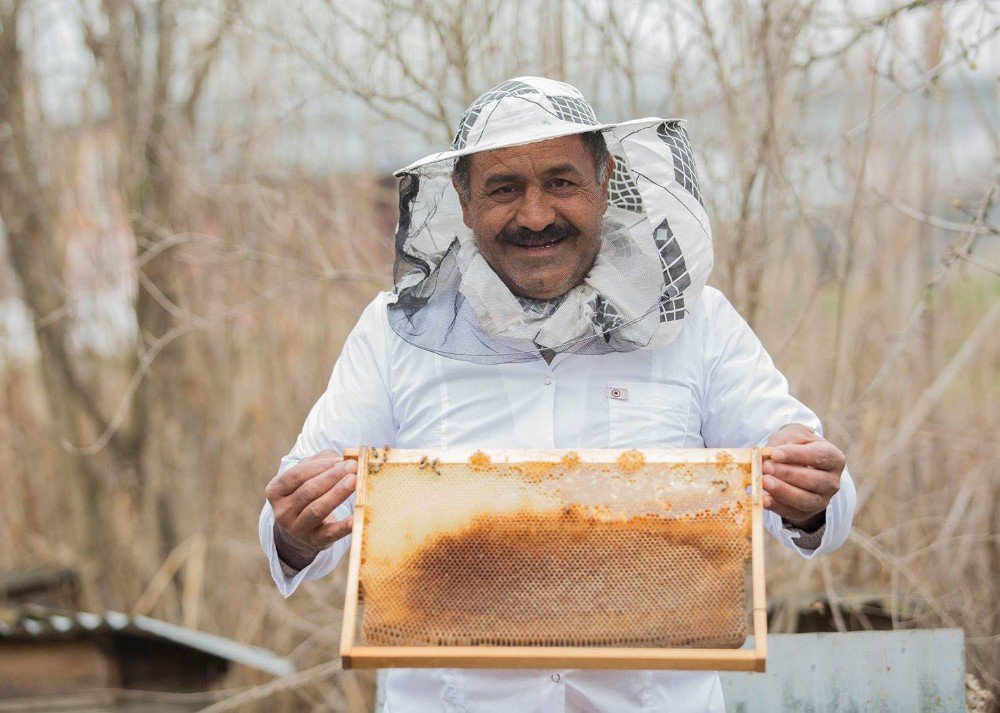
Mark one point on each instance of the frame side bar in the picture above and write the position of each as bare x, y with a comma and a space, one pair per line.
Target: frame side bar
354, 565
757, 561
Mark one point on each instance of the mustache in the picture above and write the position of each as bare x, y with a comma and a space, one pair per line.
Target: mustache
533, 238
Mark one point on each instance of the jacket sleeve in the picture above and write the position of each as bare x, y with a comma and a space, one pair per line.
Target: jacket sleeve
355, 410
745, 400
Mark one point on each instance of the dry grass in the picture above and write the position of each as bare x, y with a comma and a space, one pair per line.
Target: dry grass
836, 236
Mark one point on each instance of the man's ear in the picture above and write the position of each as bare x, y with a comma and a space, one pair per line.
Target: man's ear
609, 171
466, 215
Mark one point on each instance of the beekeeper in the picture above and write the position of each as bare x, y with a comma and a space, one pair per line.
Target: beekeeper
550, 293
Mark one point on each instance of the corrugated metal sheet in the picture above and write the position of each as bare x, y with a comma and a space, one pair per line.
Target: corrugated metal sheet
33, 622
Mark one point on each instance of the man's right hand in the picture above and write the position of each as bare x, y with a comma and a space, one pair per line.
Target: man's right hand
303, 499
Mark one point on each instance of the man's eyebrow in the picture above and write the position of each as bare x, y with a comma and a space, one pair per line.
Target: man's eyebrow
502, 178
560, 168
499, 178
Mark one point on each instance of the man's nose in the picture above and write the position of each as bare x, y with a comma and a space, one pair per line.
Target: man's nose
535, 211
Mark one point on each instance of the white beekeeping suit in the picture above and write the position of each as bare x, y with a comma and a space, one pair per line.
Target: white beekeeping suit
640, 354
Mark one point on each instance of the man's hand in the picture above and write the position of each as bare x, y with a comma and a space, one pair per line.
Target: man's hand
802, 475
303, 499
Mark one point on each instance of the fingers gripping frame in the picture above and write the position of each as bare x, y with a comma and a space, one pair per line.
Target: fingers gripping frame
359, 655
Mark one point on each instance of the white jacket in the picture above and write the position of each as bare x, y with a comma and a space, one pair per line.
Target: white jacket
713, 386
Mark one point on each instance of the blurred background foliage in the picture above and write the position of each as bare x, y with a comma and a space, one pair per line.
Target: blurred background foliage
197, 202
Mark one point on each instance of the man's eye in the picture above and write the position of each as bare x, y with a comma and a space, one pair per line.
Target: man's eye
560, 183
503, 190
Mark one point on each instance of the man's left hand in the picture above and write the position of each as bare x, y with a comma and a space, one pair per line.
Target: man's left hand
802, 475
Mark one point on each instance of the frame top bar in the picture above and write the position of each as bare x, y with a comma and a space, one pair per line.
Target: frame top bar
499, 456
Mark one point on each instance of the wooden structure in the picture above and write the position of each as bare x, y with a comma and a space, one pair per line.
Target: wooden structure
64, 659
58, 588
359, 655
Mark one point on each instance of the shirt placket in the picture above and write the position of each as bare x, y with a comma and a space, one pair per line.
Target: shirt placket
547, 407
553, 697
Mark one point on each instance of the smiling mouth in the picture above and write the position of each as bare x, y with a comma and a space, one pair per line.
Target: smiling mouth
538, 240
538, 244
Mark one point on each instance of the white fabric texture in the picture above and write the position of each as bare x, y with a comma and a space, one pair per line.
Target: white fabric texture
712, 386
542, 109
655, 256
620, 263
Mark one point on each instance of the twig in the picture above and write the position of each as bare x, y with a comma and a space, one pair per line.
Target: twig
831, 594
917, 82
899, 568
933, 220
916, 413
158, 584
865, 30
267, 690
973, 260
193, 583
918, 312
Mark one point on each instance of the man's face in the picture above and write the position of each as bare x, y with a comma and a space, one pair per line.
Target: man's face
536, 212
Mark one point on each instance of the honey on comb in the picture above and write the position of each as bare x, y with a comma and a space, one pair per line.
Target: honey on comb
557, 553
534, 471
631, 461
479, 461
565, 577
570, 460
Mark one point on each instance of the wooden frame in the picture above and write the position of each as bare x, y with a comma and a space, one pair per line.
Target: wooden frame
355, 655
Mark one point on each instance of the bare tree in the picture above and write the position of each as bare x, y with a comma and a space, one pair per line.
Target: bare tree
154, 127
854, 227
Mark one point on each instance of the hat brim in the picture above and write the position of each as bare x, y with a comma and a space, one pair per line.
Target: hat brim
535, 138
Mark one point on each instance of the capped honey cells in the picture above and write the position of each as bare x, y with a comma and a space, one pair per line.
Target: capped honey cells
565, 553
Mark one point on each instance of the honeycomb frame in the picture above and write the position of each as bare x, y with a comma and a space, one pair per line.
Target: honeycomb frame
589, 655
